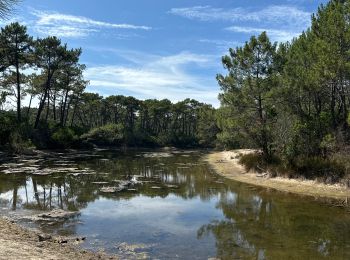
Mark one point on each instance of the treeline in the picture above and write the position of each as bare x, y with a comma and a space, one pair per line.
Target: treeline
124, 120
61, 114
292, 99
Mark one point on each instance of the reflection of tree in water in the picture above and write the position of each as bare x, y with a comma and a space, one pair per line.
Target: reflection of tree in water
190, 178
12, 183
75, 192
257, 225
260, 227
45, 193
230, 242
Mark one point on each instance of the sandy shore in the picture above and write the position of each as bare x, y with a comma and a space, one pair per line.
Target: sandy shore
17, 243
226, 164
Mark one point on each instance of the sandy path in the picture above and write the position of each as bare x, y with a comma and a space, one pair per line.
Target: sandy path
226, 164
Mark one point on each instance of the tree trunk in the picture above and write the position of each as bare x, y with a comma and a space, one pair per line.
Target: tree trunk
62, 120
30, 104
18, 92
48, 108
42, 102
54, 106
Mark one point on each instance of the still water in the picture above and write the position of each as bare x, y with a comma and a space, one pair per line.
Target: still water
177, 209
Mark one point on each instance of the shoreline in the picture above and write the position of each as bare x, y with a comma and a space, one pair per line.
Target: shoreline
226, 164
17, 242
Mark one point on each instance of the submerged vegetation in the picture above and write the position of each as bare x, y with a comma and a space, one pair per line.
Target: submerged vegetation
212, 215
288, 100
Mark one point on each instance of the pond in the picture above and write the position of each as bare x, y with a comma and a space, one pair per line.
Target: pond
176, 207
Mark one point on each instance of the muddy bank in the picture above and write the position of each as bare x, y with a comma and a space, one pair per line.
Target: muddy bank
18, 243
226, 164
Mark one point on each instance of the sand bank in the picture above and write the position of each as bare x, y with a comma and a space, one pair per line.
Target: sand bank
226, 163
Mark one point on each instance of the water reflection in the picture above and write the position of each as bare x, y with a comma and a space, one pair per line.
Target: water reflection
181, 208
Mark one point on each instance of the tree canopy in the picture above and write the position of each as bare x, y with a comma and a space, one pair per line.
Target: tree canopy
291, 100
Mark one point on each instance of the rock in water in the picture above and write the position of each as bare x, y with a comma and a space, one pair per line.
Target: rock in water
56, 214
108, 189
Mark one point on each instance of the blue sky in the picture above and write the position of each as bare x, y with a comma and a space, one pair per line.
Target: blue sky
157, 48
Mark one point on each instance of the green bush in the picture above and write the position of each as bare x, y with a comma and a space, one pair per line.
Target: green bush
8, 123
111, 134
257, 162
182, 140
19, 145
253, 161
323, 169
328, 144
329, 170
142, 139
63, 137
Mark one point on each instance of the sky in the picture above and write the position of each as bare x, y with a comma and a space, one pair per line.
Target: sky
157, 48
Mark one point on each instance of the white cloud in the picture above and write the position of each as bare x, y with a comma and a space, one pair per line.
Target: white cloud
64, 31
281, 22
274, 13
274, 34
208, 13
159, 77
222, 45
70, 26
158, 214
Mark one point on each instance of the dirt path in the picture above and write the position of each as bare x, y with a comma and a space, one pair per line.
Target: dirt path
226, 164
17, 243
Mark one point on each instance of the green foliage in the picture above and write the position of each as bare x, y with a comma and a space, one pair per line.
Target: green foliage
14, 136
110, 134
328, 144
247, 89
327, 170
257, 162
63, 137
292, 101
8, 124
16, 54
58, 84
19, 145
253, 161
207, 128
313, 168
227, 141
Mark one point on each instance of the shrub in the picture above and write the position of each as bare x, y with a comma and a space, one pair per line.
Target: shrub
111, 134
253, 161
328, 170
19, 145
328, 144
63, 137
257, 162
8, 124
324, 169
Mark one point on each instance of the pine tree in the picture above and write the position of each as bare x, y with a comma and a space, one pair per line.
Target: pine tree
17, 50
247, 88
